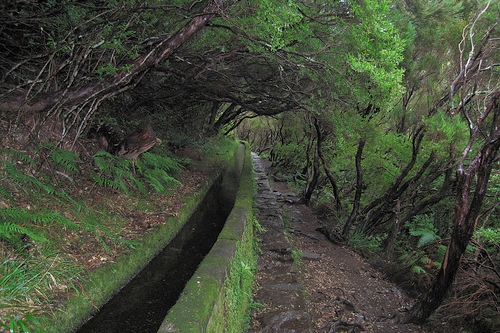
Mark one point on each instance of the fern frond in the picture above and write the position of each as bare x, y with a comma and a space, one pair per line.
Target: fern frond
160, 180
65, 158
11, 220
55, 217
162, 162
28, 182
19, 155
6, 194
155, 183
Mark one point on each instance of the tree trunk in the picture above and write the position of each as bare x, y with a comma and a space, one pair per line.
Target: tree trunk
325, 166
314, 180
391, 239
417, 139
359, 189
466, 212
436, 198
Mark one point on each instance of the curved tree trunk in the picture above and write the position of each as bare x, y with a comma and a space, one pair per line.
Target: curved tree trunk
383, 206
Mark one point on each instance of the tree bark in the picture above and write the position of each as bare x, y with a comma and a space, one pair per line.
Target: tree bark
434, 199
359, 189
314, 180
466, 212
391, 239
417, 139
325, 166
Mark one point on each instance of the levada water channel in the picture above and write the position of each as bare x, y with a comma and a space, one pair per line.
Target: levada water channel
143, 303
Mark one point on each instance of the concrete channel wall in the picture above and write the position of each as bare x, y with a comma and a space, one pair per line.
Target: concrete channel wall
201, 304
105, 281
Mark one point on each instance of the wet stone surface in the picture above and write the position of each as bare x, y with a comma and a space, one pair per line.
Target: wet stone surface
280, 292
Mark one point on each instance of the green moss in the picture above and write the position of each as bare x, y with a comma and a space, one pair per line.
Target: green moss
217, 298
237, 293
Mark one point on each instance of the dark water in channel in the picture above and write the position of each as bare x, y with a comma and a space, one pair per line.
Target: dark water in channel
144, 302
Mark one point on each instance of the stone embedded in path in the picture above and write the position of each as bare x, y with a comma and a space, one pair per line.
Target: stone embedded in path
311, 255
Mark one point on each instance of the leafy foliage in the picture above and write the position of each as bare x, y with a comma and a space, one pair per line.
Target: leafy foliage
422, 226
367, 245
277, 21
376, 52
159, 171
290, 156
420, 259
19, 222
16, 325
66, 159
489, 234
114, 172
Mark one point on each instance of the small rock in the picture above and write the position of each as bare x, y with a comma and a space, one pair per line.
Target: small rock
311, 255
396, 291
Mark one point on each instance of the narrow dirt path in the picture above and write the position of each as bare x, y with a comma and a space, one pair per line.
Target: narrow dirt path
342, 292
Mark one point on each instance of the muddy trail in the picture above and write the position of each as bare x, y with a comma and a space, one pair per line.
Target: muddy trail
327, 288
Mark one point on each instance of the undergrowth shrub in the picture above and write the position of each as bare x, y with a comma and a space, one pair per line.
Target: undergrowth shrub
474, 294
65, 159
18, 177
159, 171
14, 224
290, 156
156, 170
21, 174
421, 251
368, 245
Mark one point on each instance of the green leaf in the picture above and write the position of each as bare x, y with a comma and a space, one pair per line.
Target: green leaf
418, 270
427, 237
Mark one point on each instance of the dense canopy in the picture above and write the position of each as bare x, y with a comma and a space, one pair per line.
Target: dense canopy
385, 115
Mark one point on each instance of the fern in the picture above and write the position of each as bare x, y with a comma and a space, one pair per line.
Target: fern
19, 155
66, 159
160, 180
113, 171
422, 227
29, 183
11, 224
55, 217
152, 160
6, 194
155, 182
156, 170
418, 270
